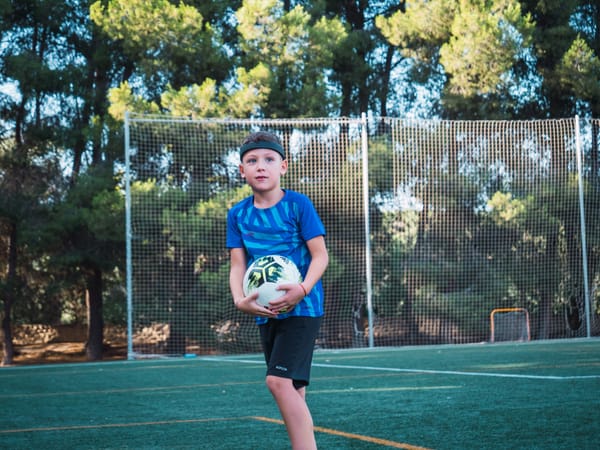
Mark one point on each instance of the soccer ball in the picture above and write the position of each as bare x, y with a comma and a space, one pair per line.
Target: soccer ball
266, 273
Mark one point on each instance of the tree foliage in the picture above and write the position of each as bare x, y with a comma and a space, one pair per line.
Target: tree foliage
70, 69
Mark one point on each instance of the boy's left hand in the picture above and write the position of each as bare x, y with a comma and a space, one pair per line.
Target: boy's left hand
294, 294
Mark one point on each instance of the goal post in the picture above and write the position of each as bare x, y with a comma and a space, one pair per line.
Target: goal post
509, 324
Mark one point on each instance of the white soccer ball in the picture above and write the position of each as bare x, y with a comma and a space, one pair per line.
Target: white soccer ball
266, 273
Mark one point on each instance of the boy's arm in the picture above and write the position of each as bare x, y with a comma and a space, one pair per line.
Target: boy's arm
236, 273
236, 277
296, 292
320, 260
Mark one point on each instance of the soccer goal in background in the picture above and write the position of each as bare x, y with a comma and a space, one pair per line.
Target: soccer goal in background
431, 224
509, 324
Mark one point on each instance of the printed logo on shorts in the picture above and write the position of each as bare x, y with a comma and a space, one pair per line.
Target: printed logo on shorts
283, 369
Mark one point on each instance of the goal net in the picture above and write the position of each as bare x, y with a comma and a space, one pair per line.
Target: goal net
430, 225
509, 324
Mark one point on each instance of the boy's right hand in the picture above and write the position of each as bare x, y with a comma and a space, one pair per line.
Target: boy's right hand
250, 306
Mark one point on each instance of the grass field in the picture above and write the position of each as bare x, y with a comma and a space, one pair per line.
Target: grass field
539, 395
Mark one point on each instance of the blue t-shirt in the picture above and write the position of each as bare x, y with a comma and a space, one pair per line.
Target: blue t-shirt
282, 229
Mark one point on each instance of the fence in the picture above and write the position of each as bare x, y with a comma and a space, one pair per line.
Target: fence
431, 225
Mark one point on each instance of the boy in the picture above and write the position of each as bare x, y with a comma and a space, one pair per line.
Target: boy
283, 222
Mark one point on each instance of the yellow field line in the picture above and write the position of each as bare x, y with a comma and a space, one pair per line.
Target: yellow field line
388, 389
118, 425
359, 437
133, 389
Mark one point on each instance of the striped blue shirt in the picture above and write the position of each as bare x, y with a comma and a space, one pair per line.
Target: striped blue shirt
282, 229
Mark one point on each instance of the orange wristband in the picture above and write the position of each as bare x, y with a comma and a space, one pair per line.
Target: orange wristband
304, 289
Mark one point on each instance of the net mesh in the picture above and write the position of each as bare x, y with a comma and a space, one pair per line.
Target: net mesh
462, 218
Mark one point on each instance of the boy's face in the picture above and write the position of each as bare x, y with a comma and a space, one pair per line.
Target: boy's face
262, 169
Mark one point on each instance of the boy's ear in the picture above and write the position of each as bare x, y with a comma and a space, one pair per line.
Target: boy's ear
284, 166
241, 167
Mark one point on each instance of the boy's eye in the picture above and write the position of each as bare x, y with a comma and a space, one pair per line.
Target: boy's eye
254, 161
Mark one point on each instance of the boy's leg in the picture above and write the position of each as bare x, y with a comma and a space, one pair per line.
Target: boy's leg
289, 346
295, 412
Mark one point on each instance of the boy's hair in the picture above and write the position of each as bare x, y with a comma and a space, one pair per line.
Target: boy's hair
262, 139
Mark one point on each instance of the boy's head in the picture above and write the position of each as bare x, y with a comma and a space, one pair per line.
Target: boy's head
262, 139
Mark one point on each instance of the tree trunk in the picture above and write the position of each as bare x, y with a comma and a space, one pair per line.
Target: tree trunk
545, 318
177, 336
7, 344
9, 297
595, 156
93, 298
548, 286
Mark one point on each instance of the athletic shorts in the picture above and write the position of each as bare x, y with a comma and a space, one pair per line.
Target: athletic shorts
288, 345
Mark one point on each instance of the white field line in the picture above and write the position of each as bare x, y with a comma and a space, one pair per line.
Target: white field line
427, 371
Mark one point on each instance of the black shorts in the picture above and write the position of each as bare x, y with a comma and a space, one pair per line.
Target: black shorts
288, 345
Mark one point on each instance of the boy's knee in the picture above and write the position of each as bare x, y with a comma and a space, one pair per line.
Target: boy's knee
277, 384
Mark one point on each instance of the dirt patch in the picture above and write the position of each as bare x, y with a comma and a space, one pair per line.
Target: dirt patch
45, 344
63, 352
